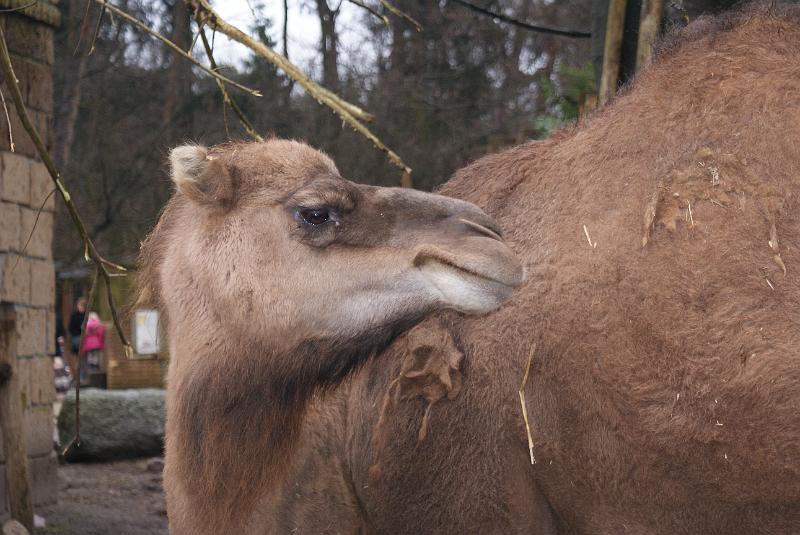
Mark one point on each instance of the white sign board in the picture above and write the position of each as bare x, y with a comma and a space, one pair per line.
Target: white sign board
146, 340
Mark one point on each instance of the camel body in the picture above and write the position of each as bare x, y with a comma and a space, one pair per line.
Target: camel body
661, 243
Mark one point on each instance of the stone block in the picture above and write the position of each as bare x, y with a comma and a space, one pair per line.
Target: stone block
51, 333
43, 283
15, 178
44, 478
31, 332
39, 430
36, 81
30, 38
23, 373
10, 221
43, 390
115, 424
15, 278
15, 527
36, 236
41, 188
23, 144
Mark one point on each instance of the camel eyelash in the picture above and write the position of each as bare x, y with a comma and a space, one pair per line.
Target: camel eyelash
318, 216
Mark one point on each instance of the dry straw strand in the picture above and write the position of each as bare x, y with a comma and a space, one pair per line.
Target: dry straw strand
521, 392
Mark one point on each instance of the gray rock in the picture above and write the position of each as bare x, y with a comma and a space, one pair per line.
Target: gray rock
115, 424
155, 465
12, 527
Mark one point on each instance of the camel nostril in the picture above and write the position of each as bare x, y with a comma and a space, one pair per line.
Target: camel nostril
485, 228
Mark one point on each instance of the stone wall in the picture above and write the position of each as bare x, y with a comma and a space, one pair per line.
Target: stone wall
27, 276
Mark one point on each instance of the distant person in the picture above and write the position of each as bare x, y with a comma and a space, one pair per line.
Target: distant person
94, 342
75, 324
61, 336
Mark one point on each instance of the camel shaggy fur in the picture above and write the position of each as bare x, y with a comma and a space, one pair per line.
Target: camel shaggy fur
662, 304
277, 277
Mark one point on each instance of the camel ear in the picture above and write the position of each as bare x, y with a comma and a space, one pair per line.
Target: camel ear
199, 176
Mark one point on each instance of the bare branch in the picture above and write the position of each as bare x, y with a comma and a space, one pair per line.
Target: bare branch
97, 27
397, 13
176, 48
349, 113
382, 18
84, 26
521, 24
8, 121
248, 126
19, 8
33, 228
76, 440
320, 93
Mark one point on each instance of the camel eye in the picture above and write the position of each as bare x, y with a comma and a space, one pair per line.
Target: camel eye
315, 216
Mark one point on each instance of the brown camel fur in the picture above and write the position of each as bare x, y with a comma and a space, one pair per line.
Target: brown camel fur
277, 277
662, 243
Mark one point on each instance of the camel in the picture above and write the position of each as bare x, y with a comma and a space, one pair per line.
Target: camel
277, 278
660, 239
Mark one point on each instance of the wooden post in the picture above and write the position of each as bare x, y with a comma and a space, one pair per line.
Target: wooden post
405, 180
612, 50
12, 422
652, 11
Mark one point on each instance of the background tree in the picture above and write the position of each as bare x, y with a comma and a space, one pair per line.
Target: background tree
461, 86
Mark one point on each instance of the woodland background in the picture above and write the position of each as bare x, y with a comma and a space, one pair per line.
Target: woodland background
463, 86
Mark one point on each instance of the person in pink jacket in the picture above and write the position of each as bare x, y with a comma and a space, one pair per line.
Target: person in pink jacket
94, 342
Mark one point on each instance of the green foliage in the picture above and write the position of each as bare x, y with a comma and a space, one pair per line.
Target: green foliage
564, 92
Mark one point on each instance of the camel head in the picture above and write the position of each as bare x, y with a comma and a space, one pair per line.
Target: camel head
268, 243
277, 277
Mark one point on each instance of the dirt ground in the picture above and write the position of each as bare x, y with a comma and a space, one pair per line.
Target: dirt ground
119, 498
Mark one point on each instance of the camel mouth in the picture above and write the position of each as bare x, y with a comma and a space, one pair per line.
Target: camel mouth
466, 272
479, 280
494, 263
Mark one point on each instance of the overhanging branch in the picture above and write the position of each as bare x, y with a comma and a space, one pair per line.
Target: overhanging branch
521, 24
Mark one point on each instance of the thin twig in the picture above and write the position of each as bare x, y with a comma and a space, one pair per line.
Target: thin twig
200, 25
91, 251
84, 26
19, 8
97, 27
382, 18
349, 113
294, 72
248, 126
114, 315
521, 24
176, 48
402, 14
35, 222
8, 121
521, 392
76, 440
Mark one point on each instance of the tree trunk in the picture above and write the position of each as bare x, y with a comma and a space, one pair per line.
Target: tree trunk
650, 22
612, 50
12, 423
286, 28
329, 45
68, 99
179, 75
